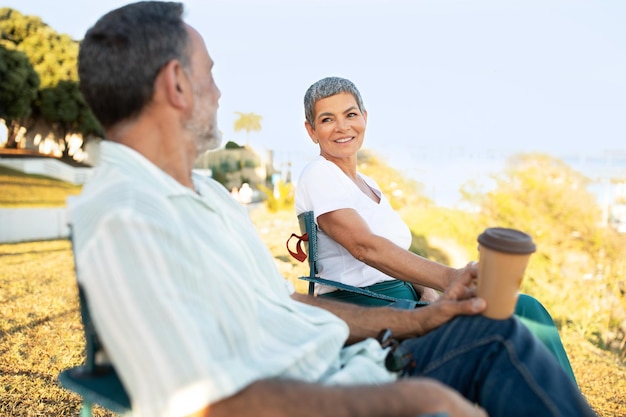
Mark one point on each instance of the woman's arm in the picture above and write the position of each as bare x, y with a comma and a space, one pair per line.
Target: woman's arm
347, 227
458, 299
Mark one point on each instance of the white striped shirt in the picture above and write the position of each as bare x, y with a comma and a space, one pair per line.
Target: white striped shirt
188, 300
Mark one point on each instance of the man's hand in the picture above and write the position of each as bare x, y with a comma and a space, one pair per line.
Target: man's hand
458, 299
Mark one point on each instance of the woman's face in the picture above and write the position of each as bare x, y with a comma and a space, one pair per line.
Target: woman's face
339, 126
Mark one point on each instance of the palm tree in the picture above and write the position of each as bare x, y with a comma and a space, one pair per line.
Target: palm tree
249, 122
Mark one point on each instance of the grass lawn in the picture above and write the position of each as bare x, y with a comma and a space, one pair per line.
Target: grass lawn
26, 190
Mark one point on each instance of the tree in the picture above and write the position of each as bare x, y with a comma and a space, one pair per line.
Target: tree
64, 107
18, 91
232, 145
54, 56
249, 122
54, 59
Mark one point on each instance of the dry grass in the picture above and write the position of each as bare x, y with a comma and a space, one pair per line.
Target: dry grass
26, 190
41, 334
40, 329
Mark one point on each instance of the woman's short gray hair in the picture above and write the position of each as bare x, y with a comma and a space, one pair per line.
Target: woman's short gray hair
327, 87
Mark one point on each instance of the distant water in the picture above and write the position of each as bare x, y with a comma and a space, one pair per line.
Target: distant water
443, 171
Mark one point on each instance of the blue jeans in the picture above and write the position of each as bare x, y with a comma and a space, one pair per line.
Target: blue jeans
530, 311
499, 365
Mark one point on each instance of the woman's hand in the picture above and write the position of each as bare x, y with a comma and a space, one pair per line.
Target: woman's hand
426, 294
469, 270
458, 299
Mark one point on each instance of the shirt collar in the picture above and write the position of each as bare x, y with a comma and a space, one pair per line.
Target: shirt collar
140, 168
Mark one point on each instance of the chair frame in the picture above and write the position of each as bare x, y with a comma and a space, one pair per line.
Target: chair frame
95, 383
308, 230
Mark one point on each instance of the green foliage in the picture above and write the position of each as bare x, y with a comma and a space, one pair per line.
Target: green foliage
18, 90
60, 103
280, 198
54, 56
19, 85
232, 145
64, 107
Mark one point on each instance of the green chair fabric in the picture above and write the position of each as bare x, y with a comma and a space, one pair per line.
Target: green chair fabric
94, 383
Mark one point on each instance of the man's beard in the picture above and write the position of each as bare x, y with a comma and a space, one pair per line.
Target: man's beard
205, 132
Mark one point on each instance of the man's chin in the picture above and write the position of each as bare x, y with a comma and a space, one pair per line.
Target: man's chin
210, 144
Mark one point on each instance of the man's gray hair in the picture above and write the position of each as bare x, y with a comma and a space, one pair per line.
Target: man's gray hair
327, 87
123, 53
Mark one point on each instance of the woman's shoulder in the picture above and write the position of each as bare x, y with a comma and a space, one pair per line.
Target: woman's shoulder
319, 168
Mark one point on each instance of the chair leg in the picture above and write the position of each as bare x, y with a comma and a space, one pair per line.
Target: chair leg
85, 410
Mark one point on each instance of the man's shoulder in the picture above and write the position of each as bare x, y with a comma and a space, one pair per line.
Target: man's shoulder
111, 191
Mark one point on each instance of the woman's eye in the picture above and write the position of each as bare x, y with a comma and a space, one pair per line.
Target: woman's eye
326, 120
352, 114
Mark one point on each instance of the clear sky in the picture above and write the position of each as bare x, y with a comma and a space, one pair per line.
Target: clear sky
439, 78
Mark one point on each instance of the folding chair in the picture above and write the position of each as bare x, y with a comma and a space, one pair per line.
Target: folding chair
95, 383
308, 238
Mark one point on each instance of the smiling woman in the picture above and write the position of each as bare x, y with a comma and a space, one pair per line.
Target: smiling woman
362, 240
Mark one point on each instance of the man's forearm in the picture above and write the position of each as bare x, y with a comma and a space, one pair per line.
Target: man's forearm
287, 398
367, 322
278, 398
458, 299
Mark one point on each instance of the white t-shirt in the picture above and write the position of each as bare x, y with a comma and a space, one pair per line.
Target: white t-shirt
187, 299
322, 188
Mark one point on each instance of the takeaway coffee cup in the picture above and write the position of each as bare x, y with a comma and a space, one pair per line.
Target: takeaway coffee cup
503, 257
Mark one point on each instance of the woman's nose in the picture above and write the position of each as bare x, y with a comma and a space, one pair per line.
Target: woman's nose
343, 125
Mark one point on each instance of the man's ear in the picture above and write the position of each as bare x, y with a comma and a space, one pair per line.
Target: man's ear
175, 85
311, 131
